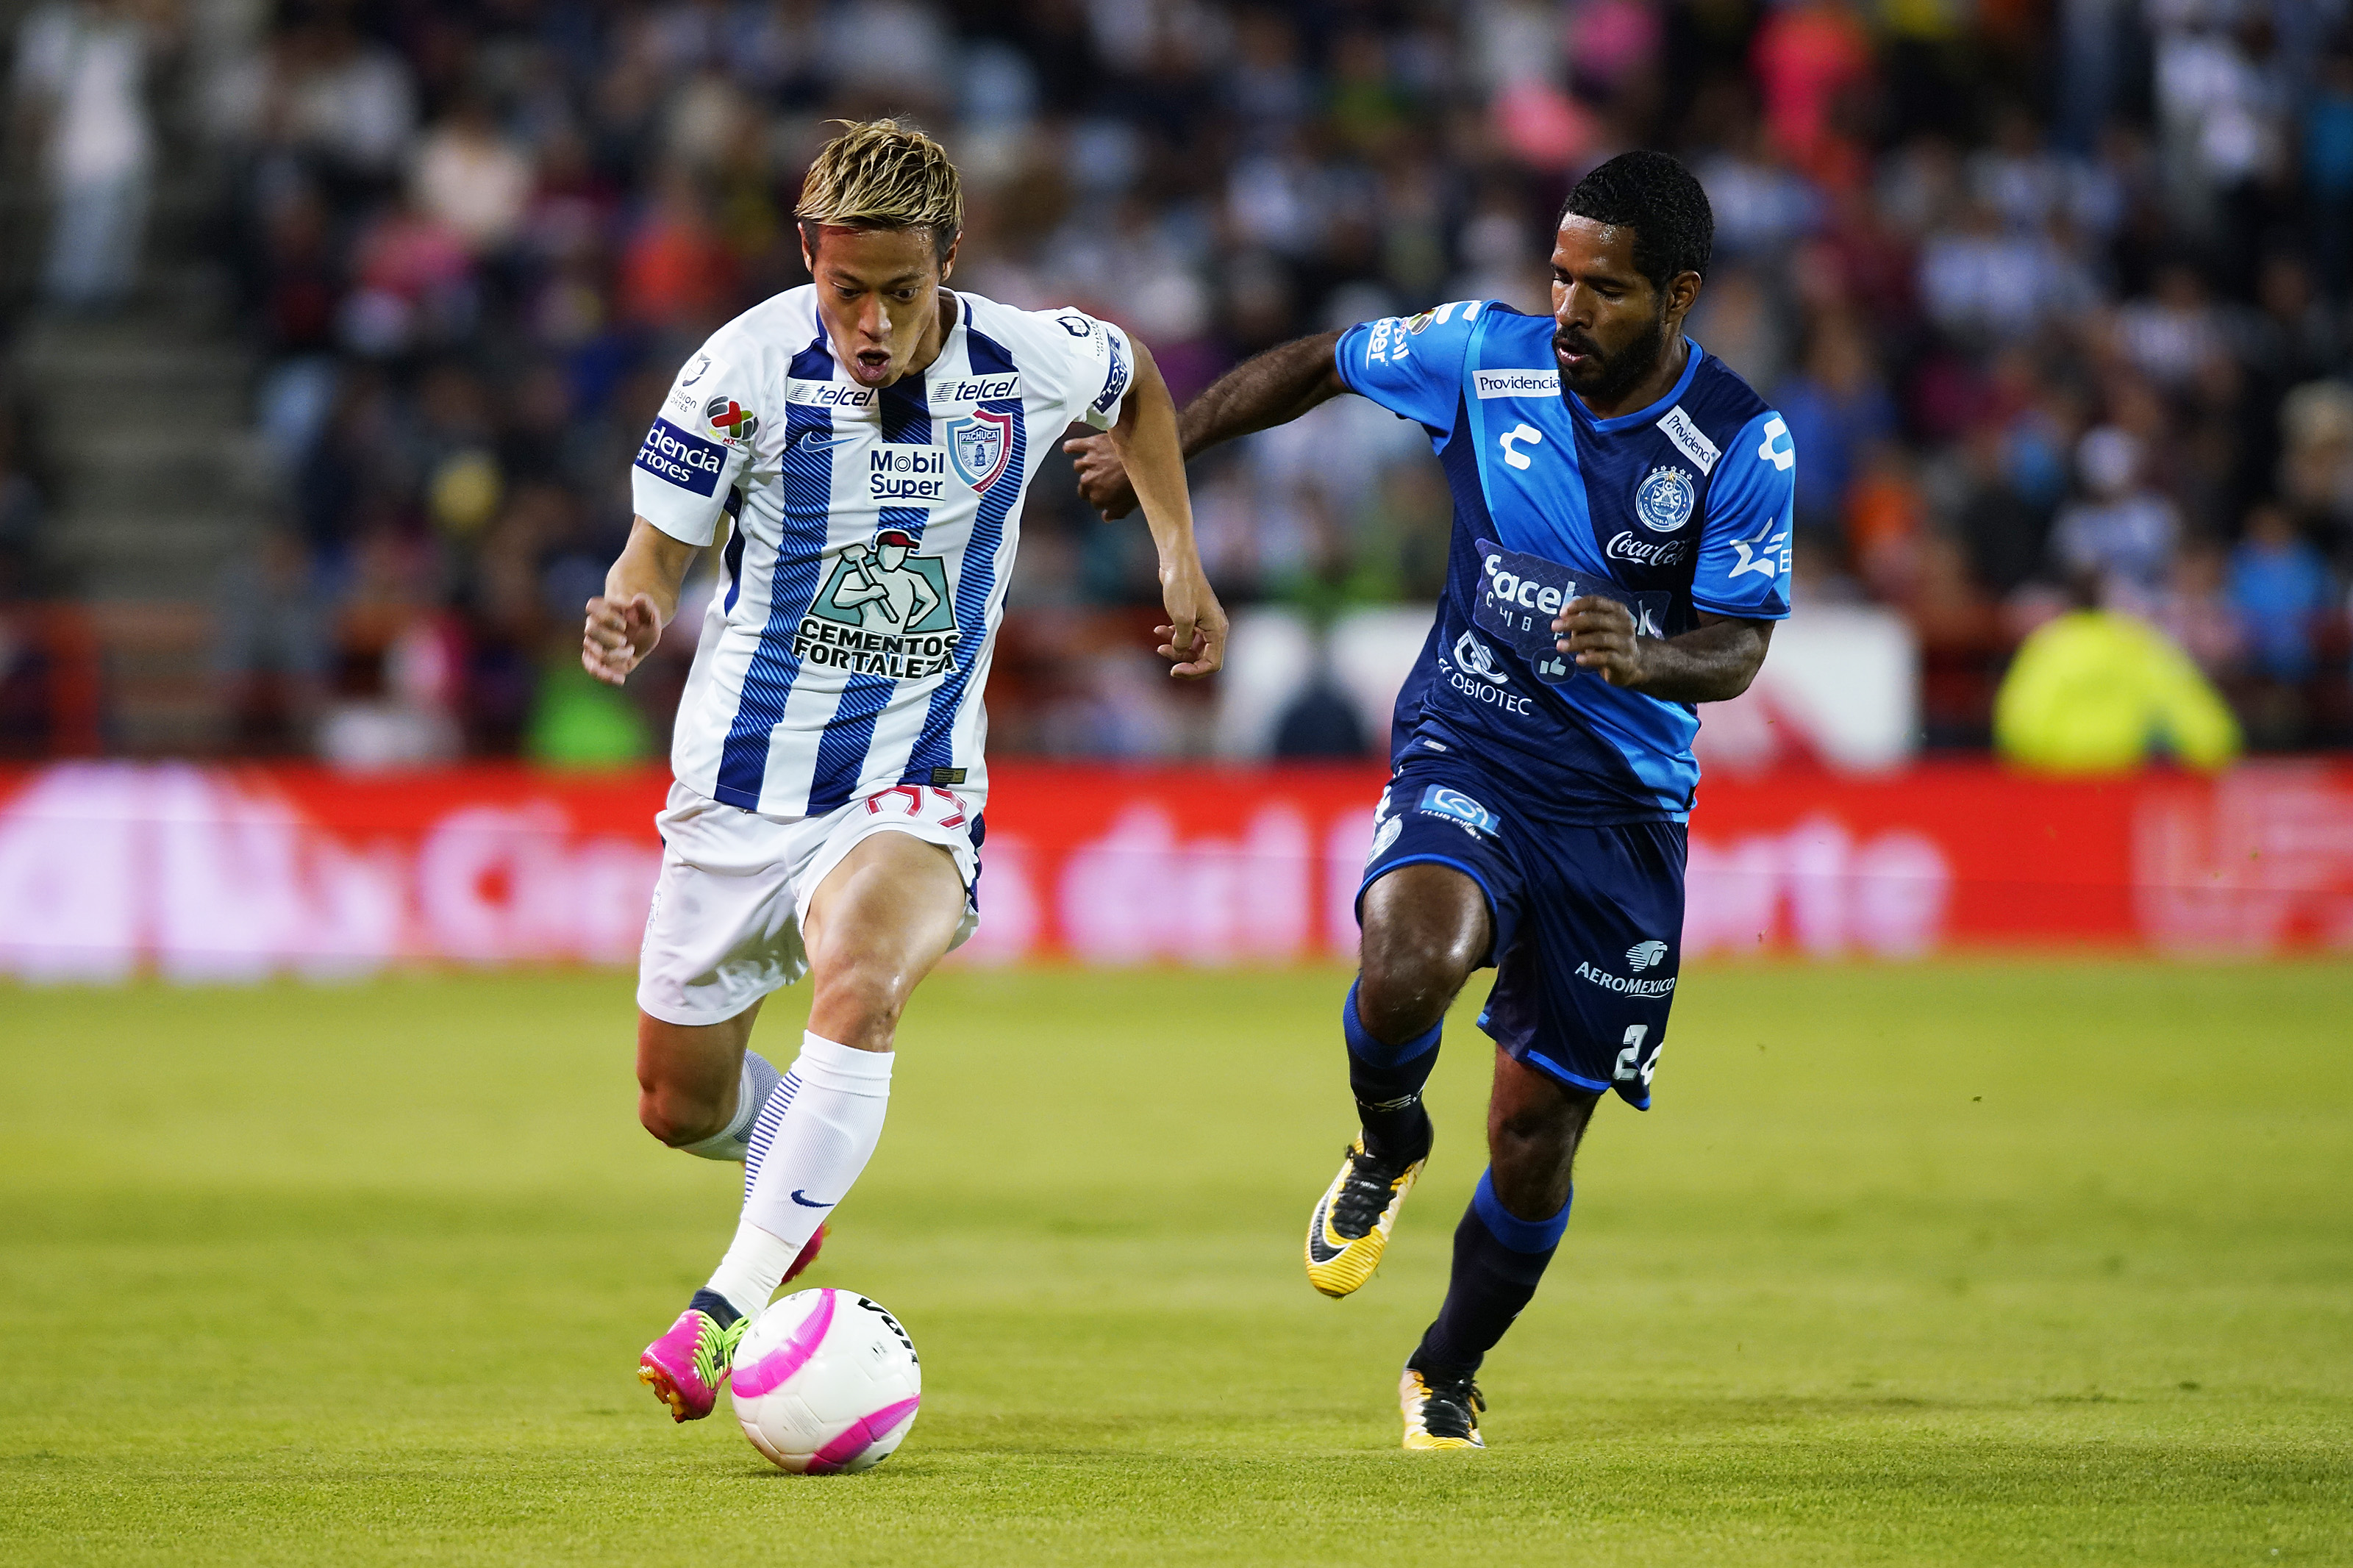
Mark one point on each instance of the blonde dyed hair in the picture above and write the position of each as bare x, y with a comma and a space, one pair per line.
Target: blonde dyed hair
879, 173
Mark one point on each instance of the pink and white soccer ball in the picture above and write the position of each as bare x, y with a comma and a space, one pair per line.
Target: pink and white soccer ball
825, 1382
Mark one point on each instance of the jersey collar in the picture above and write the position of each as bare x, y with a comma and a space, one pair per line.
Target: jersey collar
1617, 422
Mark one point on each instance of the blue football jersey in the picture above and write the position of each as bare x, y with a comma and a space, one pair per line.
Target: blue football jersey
1678, 508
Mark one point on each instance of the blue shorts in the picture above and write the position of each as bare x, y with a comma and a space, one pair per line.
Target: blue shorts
1588, 920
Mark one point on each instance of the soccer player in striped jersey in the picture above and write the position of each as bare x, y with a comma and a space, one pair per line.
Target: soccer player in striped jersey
856, 449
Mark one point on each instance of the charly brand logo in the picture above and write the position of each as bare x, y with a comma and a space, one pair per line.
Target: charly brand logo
1624, 546
730, 418
1664, 498
687, 461
979, 444
1521, 432
1646, 955
884, 610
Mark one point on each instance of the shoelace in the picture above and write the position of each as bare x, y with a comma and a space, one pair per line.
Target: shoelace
714, 1349
1365, 1194
1457, 1401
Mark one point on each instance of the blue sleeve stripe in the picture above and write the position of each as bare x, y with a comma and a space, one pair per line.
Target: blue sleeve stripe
1743, 612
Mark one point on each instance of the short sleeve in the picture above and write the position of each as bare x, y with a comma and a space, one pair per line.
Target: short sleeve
698, 447
1411, 365
1102, 367
1744, 552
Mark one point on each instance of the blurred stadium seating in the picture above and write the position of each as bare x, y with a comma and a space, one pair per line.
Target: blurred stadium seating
331, 327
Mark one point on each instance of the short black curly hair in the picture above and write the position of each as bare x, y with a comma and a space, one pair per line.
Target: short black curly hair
1660, 201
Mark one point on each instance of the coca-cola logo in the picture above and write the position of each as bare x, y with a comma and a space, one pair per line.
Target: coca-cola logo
1647, 552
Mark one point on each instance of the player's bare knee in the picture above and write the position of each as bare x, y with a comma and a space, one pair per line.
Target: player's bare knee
860, 1003
676, 1119
1407, 982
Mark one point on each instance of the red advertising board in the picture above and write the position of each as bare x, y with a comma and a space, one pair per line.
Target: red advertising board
108, 869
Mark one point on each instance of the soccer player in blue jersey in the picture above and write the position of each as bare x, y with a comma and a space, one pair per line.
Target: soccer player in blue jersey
1620, 552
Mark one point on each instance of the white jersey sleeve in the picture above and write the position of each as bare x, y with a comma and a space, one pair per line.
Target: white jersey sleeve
1101, 368
700, 442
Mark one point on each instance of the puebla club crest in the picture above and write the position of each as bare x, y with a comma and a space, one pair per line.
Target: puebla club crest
1664, 498
979, 444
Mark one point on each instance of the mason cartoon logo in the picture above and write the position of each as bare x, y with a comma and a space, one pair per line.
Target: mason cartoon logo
884, 611
980, 444
1645, 955
1664, 498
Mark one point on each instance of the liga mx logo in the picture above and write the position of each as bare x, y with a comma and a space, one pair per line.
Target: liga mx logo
1664, 498
979, 444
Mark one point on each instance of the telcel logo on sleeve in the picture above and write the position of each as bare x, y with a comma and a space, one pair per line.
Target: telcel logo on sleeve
687, 461
1440, 801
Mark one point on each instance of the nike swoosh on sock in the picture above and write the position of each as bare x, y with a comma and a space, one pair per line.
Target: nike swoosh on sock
808, 1203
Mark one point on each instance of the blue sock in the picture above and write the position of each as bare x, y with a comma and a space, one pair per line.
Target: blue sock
1498, 1260
720, 1310
1387, 1081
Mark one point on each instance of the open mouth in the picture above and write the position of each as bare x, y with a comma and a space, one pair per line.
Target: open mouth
870, 367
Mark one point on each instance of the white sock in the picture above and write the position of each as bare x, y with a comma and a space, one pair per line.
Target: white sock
814, 1136
734, 1141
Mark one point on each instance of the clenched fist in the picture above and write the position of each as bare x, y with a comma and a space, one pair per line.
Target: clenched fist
619, 633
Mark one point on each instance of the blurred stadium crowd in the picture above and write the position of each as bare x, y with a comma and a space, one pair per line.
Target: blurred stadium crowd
2054, 294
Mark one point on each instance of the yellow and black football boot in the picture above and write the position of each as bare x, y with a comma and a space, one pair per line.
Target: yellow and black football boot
1352, 1219
1441, 1411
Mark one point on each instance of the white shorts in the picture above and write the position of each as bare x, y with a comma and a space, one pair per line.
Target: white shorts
725, 927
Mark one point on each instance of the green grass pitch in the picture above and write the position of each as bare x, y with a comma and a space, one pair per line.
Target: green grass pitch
2000, 1263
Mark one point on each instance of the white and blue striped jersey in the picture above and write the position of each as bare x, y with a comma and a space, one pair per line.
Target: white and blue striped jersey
873, 534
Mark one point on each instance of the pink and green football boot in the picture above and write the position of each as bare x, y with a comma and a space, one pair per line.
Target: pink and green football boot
688, 1366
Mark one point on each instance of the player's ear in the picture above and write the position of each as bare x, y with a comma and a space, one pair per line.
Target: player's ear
947, 261
1683, 292
808, 251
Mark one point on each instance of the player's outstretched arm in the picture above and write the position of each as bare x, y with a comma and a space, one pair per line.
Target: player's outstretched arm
1273, 388
1145, 441
1714, 662
639, 598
